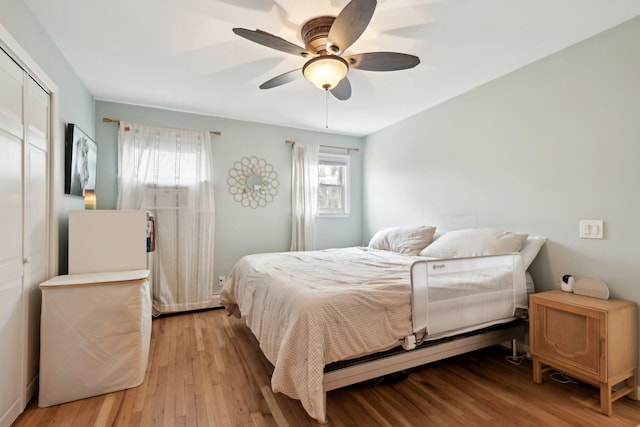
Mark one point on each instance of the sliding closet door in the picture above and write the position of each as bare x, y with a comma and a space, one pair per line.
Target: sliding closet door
36, 228
11, 213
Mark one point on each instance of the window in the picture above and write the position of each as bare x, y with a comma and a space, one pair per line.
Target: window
173, 167
333, 185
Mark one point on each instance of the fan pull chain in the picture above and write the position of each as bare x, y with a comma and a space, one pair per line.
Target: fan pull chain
326, 113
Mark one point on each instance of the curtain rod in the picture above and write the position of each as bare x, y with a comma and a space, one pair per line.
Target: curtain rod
107, 120
349, 149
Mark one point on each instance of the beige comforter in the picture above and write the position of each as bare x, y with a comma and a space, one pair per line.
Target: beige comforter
309, 309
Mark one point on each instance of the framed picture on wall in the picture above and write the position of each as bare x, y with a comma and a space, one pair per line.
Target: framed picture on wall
80, 161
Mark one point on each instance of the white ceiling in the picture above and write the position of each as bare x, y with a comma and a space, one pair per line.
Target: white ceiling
182, 54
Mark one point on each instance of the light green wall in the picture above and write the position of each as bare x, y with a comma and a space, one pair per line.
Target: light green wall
239, 231
75, 103
536, 151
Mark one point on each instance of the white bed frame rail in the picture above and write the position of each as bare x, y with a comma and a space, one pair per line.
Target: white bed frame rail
438, 317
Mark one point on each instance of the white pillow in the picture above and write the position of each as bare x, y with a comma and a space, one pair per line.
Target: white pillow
405, 240
474, 242
530, 249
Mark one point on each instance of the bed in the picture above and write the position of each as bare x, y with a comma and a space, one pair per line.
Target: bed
311, 310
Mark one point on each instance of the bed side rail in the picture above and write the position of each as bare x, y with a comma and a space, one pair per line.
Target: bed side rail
449, 314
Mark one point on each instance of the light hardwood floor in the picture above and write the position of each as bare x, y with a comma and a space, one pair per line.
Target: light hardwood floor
206, 369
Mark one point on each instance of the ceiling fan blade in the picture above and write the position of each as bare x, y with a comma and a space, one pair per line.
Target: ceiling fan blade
350, 24
382, 61
343, 90
274, 42
287, 77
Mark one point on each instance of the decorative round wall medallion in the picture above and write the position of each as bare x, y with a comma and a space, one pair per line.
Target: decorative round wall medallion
253, 182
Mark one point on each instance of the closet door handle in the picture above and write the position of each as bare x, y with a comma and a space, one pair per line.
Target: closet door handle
26, 260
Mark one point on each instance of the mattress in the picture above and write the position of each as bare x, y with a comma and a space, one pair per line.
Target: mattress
310, 309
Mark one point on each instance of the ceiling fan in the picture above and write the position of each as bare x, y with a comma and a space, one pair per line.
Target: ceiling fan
325, 38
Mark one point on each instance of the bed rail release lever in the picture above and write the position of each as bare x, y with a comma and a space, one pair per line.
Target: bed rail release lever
409, 342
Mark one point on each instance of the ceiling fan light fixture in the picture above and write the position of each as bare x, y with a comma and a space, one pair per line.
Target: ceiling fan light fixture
325, 71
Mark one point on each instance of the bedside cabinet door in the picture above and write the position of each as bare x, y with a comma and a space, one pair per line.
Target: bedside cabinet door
569, 336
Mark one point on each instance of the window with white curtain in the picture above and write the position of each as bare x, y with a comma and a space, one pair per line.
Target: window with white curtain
168, 171
333, 185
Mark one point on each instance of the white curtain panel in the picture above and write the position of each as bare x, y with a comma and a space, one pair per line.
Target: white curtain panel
304, 196
169, 172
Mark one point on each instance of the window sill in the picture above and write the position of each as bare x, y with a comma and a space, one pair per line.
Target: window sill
334, 215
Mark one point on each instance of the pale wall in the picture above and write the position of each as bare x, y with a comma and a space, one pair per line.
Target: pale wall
239, 230
535, 151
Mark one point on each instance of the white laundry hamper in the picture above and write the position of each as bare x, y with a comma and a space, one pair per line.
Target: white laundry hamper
95, 334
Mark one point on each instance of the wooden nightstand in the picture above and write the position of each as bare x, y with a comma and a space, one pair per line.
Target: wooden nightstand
591, 339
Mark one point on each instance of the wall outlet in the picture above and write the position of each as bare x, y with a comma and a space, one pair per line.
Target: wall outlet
220, 281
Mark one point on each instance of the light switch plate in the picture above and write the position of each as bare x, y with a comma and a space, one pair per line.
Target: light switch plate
591, 229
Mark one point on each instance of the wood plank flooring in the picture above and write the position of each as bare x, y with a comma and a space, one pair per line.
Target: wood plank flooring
206, 369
